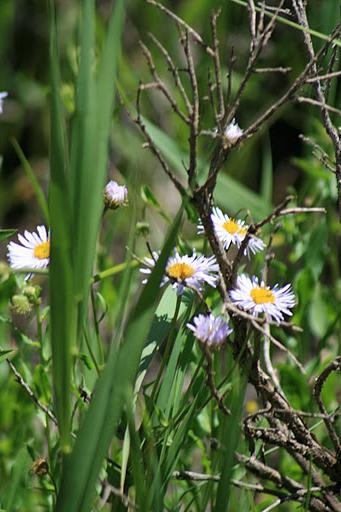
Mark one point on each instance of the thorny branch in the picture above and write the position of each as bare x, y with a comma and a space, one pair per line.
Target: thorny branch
286, 428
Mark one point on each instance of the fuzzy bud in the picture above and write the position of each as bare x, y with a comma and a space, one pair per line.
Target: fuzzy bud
21, 305
115, 195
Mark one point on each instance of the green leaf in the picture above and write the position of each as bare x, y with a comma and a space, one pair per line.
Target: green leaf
7, 233
7, 354
318, 313
35, 183
61, 284
229, 437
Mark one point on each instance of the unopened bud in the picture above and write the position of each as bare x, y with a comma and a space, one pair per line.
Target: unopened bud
115, 195
32, 293
21, 305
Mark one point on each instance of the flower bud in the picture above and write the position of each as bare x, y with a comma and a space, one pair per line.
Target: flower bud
115, 195
21, 305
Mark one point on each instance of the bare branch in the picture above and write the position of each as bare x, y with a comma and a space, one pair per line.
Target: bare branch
197, 37
332, 367
322, 105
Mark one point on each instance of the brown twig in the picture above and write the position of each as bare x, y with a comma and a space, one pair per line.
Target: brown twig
173, 69
301, 15
211, 384
197, 37
322, 105
194, 118
217, 66
139, 121
332, 367
30, 393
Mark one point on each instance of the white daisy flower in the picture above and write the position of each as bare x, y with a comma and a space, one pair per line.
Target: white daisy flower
34, 251
233, 132
233, 231
210, 330
3, 95
256, 298
192, 271
115, 195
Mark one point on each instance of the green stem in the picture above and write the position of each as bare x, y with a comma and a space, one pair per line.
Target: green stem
92, 355
40, 333
114, 270
98, 337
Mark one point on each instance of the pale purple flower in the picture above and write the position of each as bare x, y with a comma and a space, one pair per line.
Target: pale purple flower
211, 330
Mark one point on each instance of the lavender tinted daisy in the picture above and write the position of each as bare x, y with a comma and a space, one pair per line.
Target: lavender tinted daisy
192, 271
256, 298
210, 330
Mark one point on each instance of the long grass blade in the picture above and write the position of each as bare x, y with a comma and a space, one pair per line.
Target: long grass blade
82, 469
35, 183
61, 275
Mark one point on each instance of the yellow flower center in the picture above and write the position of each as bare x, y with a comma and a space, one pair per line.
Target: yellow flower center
262, 296
232, 227
42, 250
180, 271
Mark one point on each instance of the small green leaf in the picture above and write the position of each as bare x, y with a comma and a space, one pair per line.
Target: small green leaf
6, 354
148, 197
7, 233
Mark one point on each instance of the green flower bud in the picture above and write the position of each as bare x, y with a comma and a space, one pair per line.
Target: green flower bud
21, 305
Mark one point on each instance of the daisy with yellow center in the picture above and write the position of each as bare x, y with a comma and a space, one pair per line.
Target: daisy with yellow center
33, 252
233, 231
191, 271
256, 298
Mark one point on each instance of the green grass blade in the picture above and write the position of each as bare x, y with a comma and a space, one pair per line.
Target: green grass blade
83, 149
61, 274
96, 113
230, 433
82, 469
35, 183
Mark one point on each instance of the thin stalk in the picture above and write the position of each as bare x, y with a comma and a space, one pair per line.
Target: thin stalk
114, 270
92, 355
98, 337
